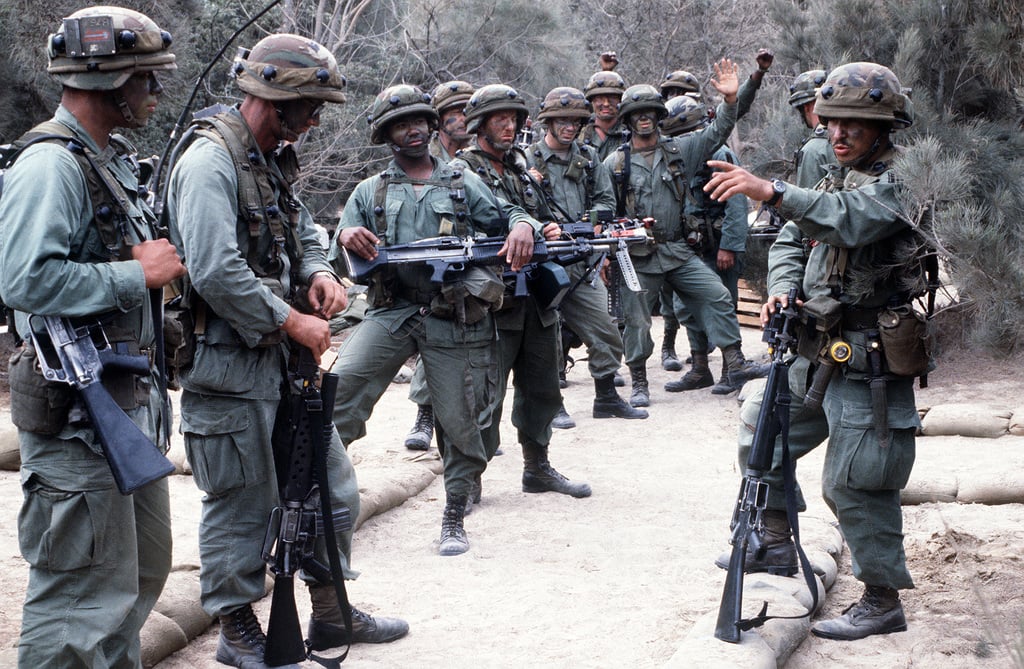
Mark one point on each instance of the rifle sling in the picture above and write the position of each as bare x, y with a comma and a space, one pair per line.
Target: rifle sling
318, 429
783, 400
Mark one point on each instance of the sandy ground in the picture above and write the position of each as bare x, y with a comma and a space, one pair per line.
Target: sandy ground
618, 579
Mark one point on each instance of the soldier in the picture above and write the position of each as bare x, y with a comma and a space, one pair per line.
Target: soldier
416, 197
604, 131
652, 174
842, 251
815, 155
77, 240
527, 334
253, 255
675, 84
718, 233
574, 182
449, 100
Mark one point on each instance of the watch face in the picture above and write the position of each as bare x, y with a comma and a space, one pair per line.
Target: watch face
779, 186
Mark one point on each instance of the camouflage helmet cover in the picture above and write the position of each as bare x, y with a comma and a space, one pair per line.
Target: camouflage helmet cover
397, 102
604, 83
563, 102
452, 94
681, 81
685, 114
642, 96
492, 98
289, 67
99, 48
805, 87
863, 91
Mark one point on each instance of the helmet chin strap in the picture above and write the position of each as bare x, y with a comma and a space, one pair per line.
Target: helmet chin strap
866, 159
126, 110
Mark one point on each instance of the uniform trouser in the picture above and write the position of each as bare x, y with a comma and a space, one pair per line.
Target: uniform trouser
674, 310
699, 288
228, 440
97, 559
861, 481
585, 311
418, 391
459, 365
530, 354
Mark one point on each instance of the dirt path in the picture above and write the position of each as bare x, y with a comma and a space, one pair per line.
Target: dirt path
619, 579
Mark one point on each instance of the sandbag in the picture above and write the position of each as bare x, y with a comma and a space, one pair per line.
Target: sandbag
1017, 422
968, 420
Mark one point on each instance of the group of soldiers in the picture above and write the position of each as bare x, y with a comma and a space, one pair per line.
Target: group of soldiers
78, 239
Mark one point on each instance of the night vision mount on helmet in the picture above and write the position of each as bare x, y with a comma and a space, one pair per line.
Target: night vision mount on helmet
864, 91
99, 48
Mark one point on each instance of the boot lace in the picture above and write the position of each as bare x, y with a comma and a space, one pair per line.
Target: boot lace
247, 627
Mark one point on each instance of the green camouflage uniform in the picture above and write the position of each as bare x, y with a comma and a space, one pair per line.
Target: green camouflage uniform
585, 309
230, 396
527, 334
861, 482
672, 260
97, 559
457, 359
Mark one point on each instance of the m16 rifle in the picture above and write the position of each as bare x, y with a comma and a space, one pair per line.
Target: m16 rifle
78, 355
747, 519
302, 433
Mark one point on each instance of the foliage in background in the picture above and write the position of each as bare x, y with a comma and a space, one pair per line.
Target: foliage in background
963, 60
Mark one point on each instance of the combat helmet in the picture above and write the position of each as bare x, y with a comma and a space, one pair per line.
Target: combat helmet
642, 96
805, 87
99, 48
289, 67
564, 101
396, 102
680, 82
451, 94
604, 83
492, 98
685, 114
863, 91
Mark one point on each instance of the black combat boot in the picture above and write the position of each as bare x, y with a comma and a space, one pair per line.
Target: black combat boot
608, 404
453, 535
641, 395
327, 626
562, 420
772, 552
242, 642
740, 369
723, 387
699, 376
540, 476
879, 611
422, 430
669, 359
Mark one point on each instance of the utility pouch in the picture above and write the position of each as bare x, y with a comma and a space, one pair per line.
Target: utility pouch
906, 341
179, 342
467, 299
821, 315
37, 405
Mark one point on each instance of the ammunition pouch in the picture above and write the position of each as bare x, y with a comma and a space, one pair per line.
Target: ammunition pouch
37, 405
380, 292
821, 316
906, 340
469, 298
179, 342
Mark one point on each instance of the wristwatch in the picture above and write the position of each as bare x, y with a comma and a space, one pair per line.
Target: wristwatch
778, 190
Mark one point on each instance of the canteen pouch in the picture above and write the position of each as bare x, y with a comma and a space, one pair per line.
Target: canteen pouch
906, 340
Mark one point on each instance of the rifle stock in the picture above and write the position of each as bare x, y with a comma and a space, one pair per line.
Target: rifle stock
70, 355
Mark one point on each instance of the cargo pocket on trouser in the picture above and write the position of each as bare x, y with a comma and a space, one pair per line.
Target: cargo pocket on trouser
215, 442
863, 464
57, 528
